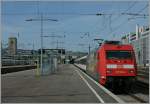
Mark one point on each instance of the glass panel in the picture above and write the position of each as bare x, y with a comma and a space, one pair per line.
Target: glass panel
118, 55
49, 65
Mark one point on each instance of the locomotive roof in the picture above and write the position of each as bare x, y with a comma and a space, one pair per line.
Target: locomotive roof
117, 47
113, 45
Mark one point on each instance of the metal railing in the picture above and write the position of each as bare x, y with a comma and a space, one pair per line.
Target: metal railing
11, 62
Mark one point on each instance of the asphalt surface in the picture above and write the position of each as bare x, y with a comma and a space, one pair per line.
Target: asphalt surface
63, 86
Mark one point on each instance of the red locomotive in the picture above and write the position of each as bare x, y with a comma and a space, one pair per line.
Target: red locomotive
113, 64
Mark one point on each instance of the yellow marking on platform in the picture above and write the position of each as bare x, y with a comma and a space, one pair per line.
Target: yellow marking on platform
37, 69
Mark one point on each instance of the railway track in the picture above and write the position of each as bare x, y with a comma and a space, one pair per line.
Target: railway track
142, 84
139, 99
140, 94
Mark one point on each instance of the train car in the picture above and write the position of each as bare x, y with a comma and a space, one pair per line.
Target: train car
81, 60
113, 64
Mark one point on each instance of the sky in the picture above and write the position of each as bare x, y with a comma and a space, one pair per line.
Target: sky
75, 21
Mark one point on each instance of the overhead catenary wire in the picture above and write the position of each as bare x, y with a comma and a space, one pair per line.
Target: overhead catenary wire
130, 7
84, 14
126, 21
118, 17
71, 14
94, 14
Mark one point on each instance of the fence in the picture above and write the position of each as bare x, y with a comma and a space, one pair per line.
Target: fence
18, 60
11, 62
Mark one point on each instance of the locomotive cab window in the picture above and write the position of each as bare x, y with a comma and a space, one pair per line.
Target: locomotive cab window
118, 54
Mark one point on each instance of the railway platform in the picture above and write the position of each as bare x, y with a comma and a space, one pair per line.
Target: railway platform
67, 85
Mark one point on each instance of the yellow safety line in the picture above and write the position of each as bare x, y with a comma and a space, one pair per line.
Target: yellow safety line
37, 69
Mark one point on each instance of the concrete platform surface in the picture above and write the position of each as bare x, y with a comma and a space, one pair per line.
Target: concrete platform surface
64, 86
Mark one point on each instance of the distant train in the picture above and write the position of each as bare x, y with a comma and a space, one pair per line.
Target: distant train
112, 64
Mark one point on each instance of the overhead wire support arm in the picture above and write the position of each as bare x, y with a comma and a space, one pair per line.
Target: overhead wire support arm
41, 35
132, 14
56, 36
135, 14
42, 19
136, 17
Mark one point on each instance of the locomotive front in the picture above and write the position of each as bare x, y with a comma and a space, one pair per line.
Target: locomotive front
116, 65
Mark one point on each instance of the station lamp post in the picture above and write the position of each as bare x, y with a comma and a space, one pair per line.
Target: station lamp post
41, 35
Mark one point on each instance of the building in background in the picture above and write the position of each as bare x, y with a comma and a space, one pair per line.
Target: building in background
140, 42
12, 46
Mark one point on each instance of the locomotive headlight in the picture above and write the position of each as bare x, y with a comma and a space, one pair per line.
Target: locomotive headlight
131, 71
128, 66
111, 66
103, 77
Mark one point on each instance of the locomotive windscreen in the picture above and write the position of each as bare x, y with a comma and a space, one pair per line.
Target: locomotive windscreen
118, 55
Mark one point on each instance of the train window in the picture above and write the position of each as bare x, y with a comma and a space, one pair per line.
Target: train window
118, 55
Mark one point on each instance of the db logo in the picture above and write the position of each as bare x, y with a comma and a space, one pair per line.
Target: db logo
119, 66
